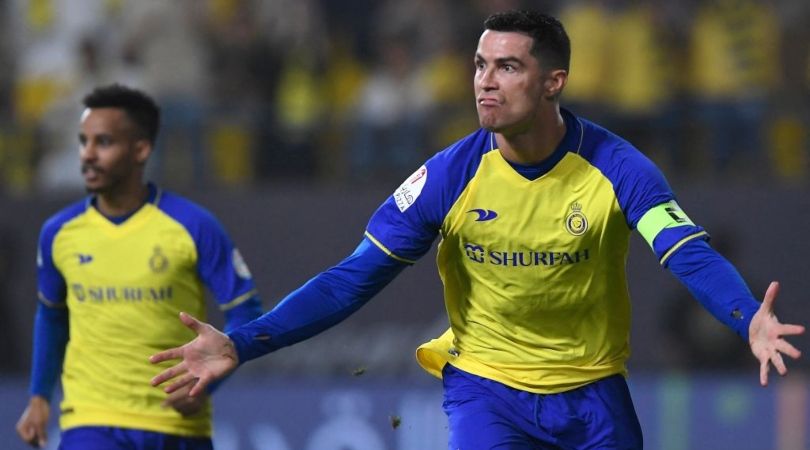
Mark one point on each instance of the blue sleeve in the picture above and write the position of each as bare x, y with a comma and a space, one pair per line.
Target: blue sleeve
407, 222
219, 264
51, 320
637, 182
714, 282
235, 317
325, 300
242, 313
50, 282
50, 339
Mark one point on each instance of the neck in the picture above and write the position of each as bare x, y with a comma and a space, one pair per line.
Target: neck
533, 145
122, 201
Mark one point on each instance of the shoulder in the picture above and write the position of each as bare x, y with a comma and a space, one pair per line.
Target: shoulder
55, 222
194, 217
466, 150
457, 163
613, 155
637, 182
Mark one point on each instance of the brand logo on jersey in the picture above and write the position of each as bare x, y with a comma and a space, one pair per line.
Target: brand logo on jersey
111, 294
484, 214
527, 258
84, 259
409, 191
239, 265
158, 262
475, 252
576, 223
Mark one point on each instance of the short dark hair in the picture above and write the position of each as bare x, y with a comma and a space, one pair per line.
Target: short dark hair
140, 107
551, 44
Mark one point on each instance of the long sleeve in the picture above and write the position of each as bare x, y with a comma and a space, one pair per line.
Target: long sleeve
325, 300
51, 334
715, 283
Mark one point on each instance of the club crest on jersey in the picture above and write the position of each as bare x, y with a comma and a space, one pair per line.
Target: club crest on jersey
158, 262
576, 223
409, 191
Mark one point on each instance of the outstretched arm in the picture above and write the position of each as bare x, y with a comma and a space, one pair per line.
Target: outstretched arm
765, 336
322, 302
719, 287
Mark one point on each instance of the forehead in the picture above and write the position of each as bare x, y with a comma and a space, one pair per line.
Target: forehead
500, 44
107, 120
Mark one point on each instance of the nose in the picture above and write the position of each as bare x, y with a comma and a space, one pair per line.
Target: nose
87, 152
486, 80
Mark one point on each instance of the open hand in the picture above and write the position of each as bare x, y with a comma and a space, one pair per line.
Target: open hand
210, 356
765, 337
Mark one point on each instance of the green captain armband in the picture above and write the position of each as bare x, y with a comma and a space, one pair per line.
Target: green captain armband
659, 217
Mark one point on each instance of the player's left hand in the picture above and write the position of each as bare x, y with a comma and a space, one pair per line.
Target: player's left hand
765, 337
183, 403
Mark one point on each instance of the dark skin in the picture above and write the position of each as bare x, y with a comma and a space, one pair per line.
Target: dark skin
113, 155
113, 158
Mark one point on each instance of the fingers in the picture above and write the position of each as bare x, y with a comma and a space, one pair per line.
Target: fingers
198, 388
32, 435
180, 383
168, 374
770, 295
783, 346
764, 367
176, 397
191, 322
788, 329
27, 433
166, 355
779, 363
42, 438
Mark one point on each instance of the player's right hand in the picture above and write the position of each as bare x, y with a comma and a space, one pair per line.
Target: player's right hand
33, 424
210, 356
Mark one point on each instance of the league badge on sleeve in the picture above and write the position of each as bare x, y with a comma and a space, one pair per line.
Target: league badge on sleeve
240, 266
409, 191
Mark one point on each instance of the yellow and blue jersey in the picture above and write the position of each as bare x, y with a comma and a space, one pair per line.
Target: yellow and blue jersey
533, 269
123, 285
532, 259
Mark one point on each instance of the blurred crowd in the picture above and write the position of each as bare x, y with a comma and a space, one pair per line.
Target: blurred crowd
362, 91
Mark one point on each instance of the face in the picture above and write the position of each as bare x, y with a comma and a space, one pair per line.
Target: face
111, 153
508, 82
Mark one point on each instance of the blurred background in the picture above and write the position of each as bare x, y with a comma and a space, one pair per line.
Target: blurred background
292, 120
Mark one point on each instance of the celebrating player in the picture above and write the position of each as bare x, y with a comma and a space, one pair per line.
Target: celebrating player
534, 211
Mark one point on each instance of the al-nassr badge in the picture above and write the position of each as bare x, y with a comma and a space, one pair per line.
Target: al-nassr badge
158, 262
576, 223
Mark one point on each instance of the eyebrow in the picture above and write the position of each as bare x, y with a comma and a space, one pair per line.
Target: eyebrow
502, 60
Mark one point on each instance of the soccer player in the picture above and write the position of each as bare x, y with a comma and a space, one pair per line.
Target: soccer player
114, 270
534, 211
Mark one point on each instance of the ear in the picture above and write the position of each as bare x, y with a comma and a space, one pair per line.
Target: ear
554, 84
143, 148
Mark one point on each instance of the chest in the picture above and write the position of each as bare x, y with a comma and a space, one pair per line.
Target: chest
98, 253
569, 208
